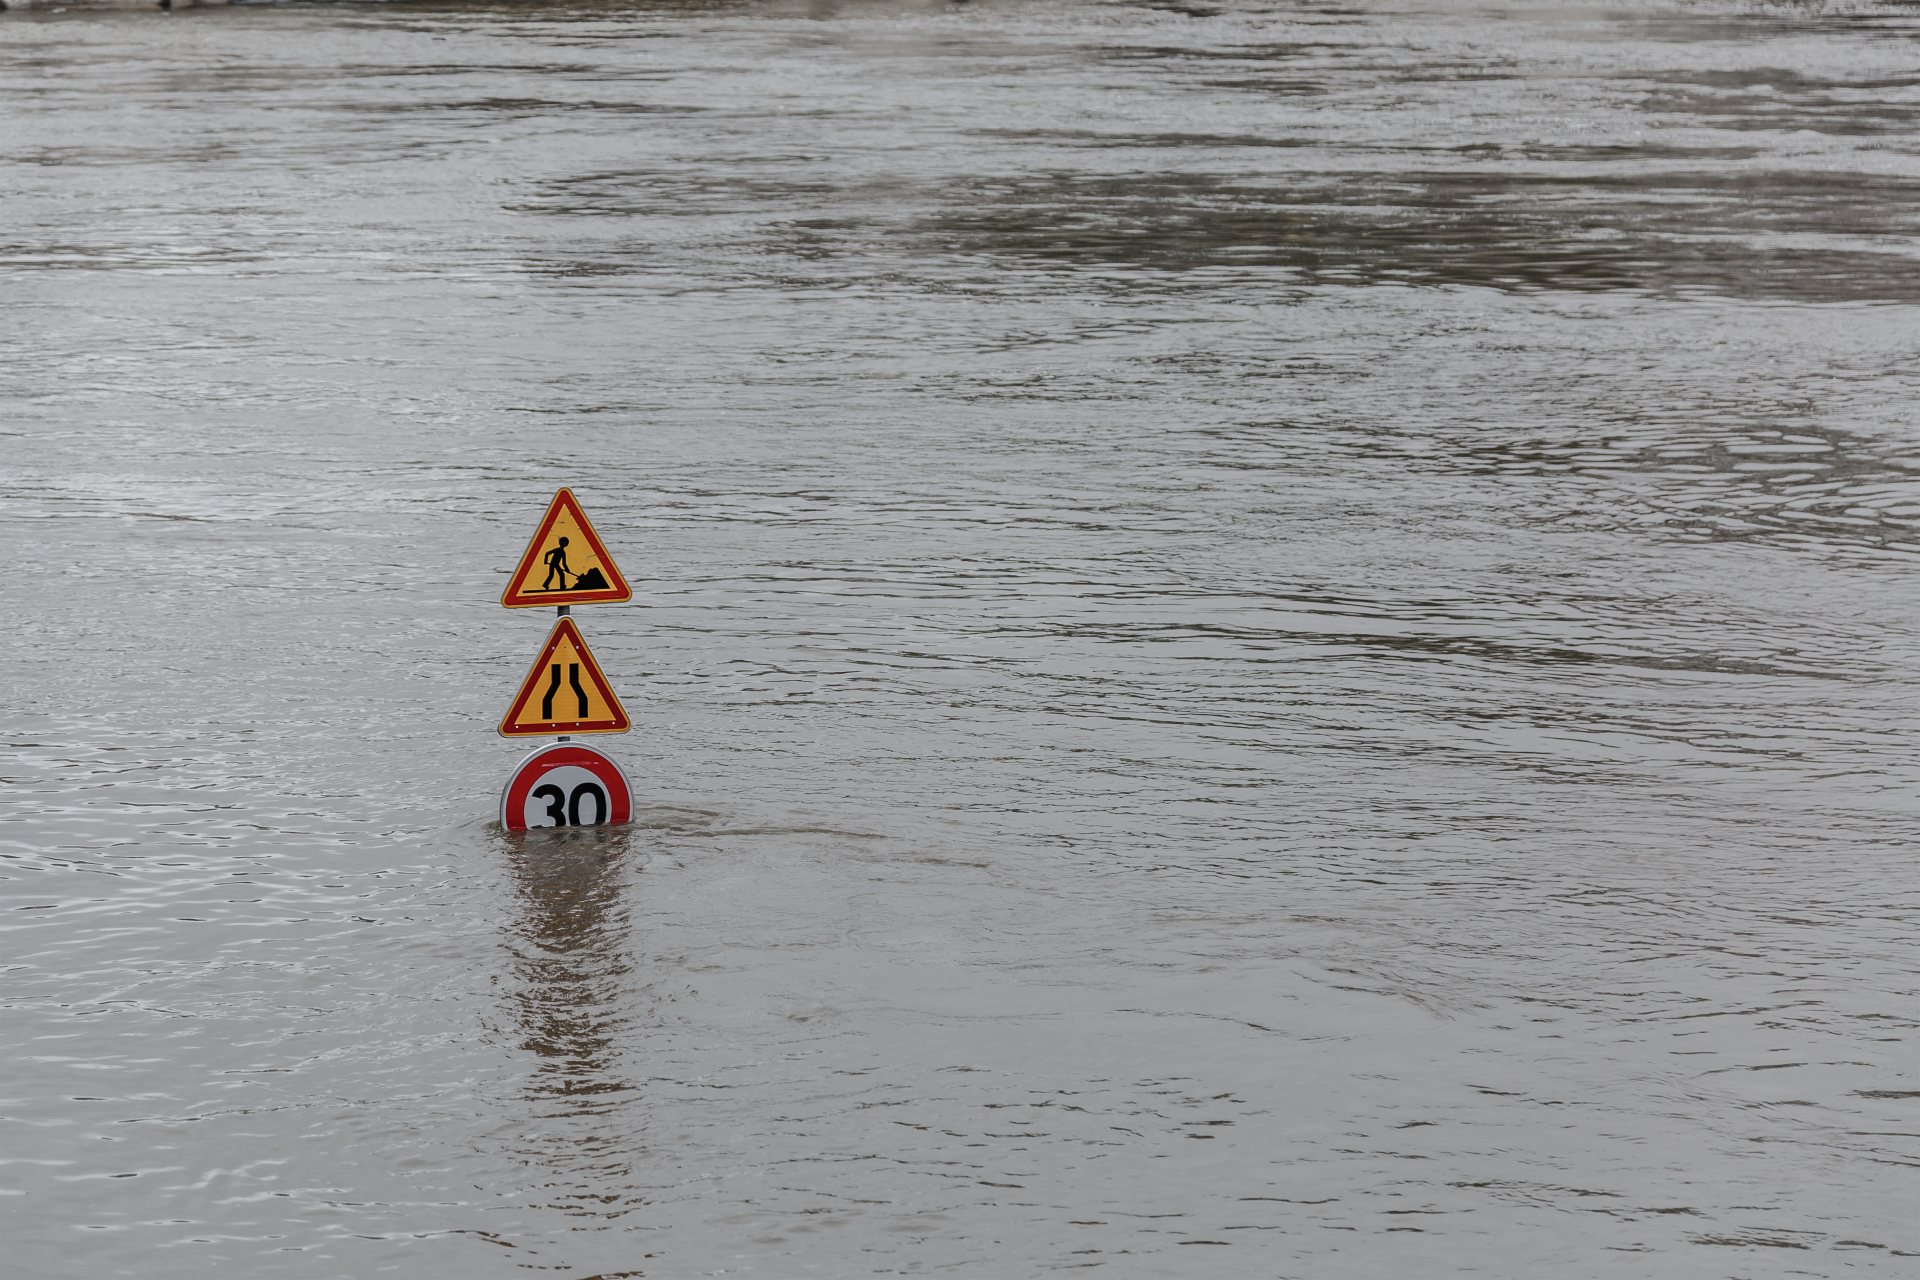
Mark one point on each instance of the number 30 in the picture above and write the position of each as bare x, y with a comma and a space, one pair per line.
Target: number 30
564, 809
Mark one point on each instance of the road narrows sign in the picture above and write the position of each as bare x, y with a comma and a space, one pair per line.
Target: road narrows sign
566, 563
564, 692
566, 784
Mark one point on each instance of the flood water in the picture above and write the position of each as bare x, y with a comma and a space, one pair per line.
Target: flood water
1269, 640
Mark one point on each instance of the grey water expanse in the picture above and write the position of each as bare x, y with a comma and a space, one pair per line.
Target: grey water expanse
1270, 640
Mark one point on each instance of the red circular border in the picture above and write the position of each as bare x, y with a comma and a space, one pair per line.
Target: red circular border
513, 800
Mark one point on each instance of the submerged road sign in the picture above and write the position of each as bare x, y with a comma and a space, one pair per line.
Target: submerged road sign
566, 563
565, 692
565, 784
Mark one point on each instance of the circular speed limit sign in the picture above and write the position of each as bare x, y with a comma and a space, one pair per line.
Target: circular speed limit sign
565, 784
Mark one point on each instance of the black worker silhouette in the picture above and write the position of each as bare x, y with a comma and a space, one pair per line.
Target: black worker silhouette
556, 564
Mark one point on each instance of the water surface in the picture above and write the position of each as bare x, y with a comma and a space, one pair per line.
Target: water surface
1270, 640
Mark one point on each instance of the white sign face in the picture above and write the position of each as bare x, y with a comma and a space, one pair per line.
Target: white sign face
567, 796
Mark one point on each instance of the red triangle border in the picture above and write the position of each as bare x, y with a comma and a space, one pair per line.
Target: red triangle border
565, 630
615, 590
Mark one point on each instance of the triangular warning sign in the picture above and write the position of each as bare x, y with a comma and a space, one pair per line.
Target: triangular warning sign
565, 692
566, 563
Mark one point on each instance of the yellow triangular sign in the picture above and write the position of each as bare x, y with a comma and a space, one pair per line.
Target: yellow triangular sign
566, 563
565, 692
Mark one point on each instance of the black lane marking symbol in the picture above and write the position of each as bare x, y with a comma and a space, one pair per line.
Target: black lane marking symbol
564, 809
553, 687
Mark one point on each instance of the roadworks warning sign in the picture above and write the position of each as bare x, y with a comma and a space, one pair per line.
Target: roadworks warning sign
566, 563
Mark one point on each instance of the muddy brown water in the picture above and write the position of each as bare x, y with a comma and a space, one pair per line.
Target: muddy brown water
1270, 640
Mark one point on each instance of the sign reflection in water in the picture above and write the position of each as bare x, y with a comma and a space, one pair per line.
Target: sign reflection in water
569, 986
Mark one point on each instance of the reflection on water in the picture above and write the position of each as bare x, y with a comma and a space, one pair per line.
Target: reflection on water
571, 960
573, 990
1269, 639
